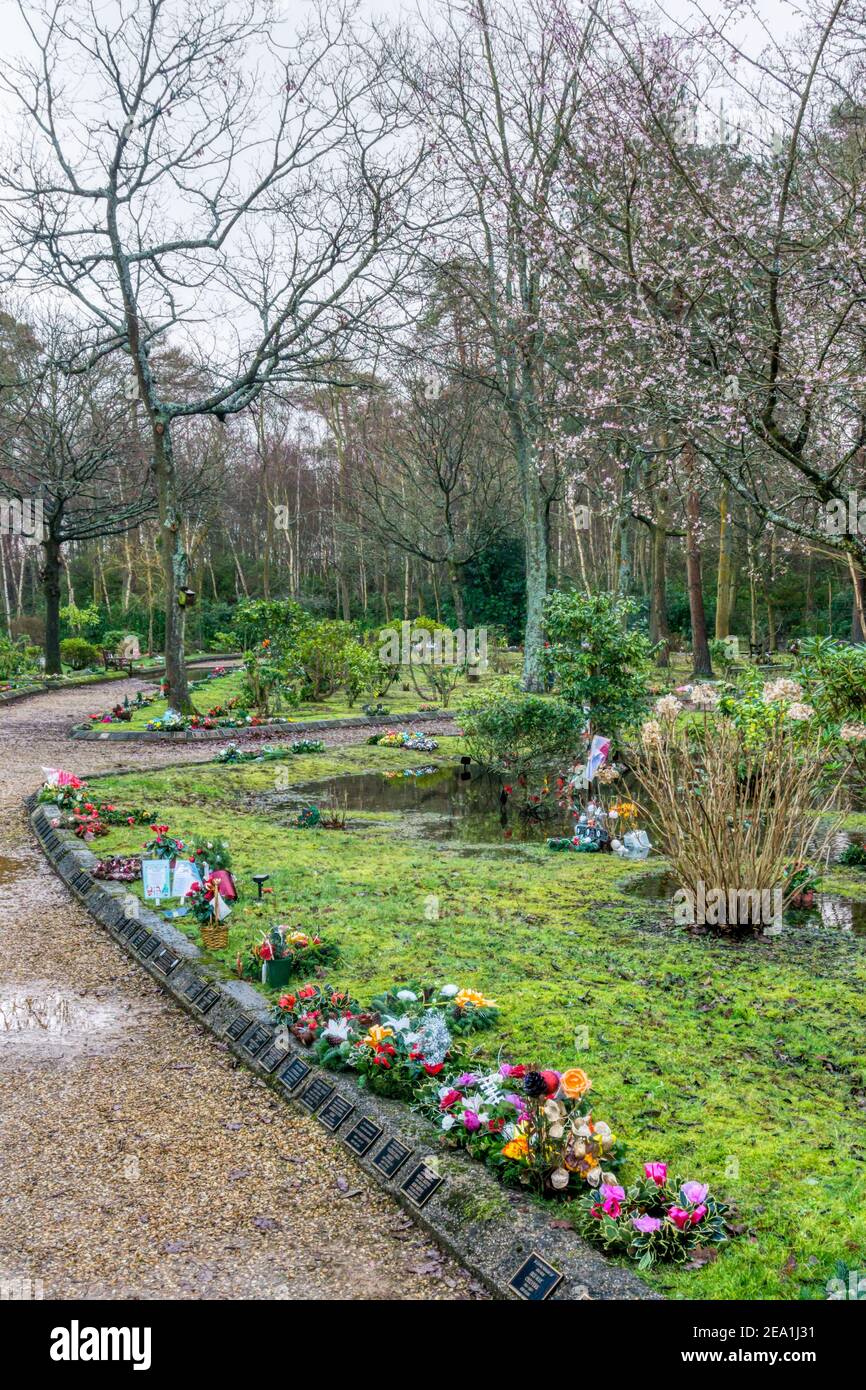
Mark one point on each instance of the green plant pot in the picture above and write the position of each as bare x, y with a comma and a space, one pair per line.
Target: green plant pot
276, 973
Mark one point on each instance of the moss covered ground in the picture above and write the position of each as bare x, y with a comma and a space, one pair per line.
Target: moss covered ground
740, 1064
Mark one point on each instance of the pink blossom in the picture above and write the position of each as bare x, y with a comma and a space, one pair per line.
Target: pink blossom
657, 1172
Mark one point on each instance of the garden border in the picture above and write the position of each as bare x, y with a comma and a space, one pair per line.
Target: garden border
488, 1229
87, 733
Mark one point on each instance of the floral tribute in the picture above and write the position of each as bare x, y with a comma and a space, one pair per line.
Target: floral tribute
118, 869
410, 739
163, 845
535, 1127
86, 816
653, 1220
200, 899
303, 949
406, 1037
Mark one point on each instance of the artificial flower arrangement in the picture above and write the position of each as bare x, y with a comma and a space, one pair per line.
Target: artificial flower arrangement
308, 745
534, 1127
89, 818
213, 854
316, 1012
405, 1037
654, 1219
308, 818
119, 869
295, 950
200, 898
404, 738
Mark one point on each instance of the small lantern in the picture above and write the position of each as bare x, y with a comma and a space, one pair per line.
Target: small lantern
260, 880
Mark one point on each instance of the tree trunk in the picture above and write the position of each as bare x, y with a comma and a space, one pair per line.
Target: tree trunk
51, 589
858, 605
174, 568
535, 557
454, 579
723, 578
701, 664
658, 618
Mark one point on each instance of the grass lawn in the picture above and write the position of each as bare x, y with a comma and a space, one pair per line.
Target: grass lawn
742, 1065
211, 693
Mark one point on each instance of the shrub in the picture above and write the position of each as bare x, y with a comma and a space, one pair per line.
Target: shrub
729, 812
597, 662
78, 653
511, 732
16, 658
834, 677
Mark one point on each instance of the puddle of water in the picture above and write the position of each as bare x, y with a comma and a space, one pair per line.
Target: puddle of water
443, 804
827, 910
9, 869
38, 1023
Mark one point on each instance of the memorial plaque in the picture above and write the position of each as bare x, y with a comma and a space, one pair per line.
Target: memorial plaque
271, 1057
149, 946
390, 1157
335, 1112
81, 882
207, 999
257, 1039
140, 937
194, 989
129, 926
166, 961
318, 1091
535, 1279
238, 1027
363, 1136
292, 1075
420, 1185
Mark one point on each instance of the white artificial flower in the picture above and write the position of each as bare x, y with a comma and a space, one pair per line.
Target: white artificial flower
448, 1121
449, 991
406, 996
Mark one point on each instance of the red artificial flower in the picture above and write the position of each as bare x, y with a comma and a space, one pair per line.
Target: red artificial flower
449, 1099
433, 1070
266, 951
308, 992
287, 1001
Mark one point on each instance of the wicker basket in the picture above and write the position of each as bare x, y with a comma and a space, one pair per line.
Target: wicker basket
215, 936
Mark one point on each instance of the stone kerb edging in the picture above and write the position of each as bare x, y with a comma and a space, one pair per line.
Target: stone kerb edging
115, 733
492, 1232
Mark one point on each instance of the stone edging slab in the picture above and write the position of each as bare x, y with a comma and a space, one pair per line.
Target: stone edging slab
491, 1231
117, 734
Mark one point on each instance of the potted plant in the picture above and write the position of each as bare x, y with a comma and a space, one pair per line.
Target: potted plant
285, 952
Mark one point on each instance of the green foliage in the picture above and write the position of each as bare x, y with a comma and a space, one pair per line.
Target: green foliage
511, 732
834, 677
494, 588
598, 662
80, 620
279, 621
78, 653
16, 658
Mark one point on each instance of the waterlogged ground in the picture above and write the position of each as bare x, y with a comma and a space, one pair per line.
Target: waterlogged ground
138, 1159
740, 1063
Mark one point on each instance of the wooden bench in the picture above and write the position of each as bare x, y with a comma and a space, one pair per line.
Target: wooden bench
112, 662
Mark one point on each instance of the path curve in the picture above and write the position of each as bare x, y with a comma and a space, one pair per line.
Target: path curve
137, 1159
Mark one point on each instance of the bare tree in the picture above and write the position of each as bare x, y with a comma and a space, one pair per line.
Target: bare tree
66, 436
181, 178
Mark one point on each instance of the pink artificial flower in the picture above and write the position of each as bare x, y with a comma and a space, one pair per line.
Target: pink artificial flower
694, 1192
609, 1189
657, 1172
471, 1120
647, 1225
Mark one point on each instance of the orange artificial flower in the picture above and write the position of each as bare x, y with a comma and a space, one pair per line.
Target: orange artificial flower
574, 1083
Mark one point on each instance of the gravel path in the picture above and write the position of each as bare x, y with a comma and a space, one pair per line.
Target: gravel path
137, 1160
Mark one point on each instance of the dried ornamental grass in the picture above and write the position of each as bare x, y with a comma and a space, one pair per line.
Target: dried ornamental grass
729, 814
